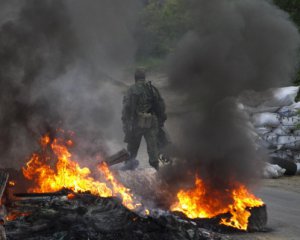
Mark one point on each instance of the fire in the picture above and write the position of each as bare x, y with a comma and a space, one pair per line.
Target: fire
204, 202
11, 183
71, 196
119, 189
14, 215
53, 169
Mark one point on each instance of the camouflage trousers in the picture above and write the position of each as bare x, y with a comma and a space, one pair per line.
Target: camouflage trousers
151, 137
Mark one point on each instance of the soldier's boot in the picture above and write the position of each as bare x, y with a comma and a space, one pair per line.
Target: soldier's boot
154, 164
132, 148
131, 164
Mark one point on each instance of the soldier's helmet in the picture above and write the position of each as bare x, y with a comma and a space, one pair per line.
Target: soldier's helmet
140, 74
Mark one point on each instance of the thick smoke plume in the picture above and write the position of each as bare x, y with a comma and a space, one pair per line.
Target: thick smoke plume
35, 47
235, 46
58, 62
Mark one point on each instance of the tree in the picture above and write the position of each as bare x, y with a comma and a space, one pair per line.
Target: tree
293, 8
162, 24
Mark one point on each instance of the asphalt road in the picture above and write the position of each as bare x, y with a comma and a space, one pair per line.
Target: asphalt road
282, 197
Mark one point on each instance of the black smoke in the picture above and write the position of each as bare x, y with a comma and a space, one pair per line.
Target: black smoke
59, 61
36, 46
234, 46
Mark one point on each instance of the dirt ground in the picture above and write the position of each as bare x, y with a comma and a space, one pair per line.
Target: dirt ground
282, 197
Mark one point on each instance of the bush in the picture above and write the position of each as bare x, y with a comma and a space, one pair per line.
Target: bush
293, 8
162, 23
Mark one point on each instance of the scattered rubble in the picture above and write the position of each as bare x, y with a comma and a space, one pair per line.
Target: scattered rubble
3, 182
85, 216
2, 233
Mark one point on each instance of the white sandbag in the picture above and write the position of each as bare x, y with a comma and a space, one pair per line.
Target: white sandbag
295, 106
278, 97
273, 171
262, 143
270, 140
298, 168
260, 109
287, 111
289, 142
290, 121
286, 155
240, 106
266, 120
288, 139
263, 130
284, 96
281, 131
296, 156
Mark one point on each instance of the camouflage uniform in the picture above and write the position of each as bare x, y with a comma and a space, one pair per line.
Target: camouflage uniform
143, 114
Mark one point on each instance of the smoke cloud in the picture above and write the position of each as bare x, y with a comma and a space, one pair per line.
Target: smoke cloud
234, 46
58, 65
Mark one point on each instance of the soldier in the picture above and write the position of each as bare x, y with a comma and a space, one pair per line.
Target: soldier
143, 115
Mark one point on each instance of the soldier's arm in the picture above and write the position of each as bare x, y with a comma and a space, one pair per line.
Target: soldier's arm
129, 110
126, 111
160, 108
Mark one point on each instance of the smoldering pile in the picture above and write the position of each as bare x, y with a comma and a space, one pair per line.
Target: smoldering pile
90, 217
68, 215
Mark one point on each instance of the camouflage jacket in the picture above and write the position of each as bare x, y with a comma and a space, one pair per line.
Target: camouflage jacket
142, 97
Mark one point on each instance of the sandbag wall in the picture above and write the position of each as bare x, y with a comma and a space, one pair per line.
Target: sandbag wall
275, 117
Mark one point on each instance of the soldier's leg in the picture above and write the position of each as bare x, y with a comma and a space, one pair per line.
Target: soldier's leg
152, 146
134, 145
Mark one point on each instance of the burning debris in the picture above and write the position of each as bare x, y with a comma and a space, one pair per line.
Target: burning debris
3, 182
204, 202
67, 201
53, 169
86, 216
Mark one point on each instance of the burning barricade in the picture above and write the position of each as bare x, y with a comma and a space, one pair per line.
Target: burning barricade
67, 201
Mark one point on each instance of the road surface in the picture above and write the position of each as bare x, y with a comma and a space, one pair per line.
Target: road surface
282, 197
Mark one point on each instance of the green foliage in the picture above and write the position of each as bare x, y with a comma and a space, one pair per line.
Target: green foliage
293, 8
162, 23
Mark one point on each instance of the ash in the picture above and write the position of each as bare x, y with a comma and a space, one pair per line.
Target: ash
91, 217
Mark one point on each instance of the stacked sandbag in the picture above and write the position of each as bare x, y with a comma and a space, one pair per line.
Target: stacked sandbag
273, 171
276, 118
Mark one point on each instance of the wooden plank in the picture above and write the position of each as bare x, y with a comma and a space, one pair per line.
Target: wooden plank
63, 192
118, 157
3, 182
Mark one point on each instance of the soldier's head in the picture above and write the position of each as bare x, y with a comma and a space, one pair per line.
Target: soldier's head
140, 74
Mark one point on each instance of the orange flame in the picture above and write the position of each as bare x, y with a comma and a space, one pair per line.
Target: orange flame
53, 169
14, 215
11, 183
119, 189
204, 202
